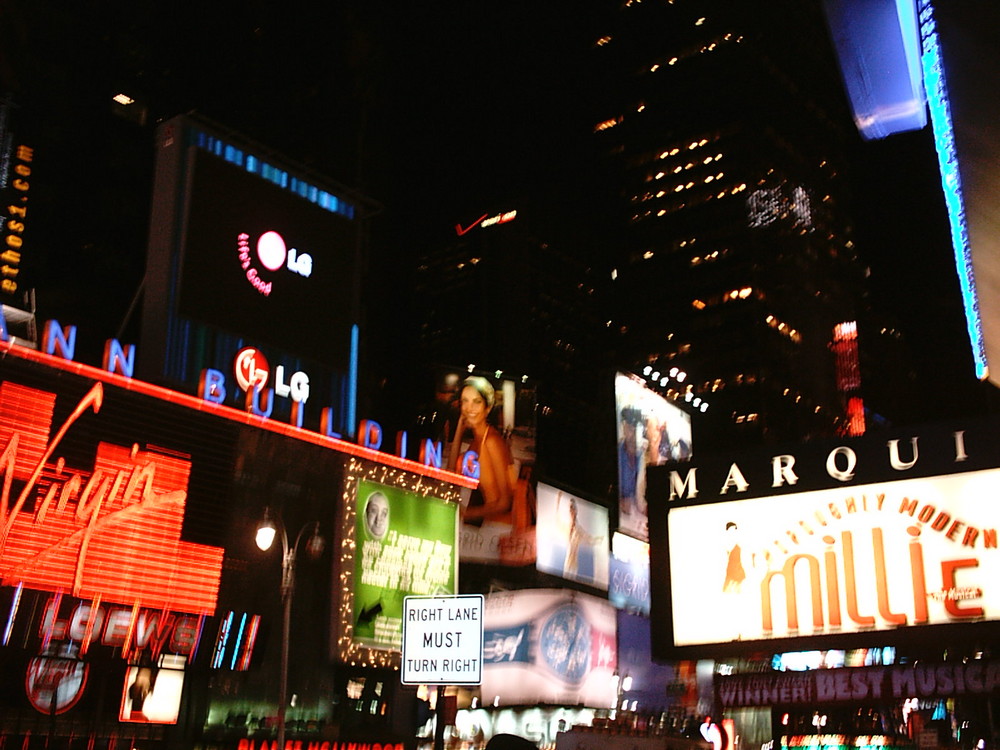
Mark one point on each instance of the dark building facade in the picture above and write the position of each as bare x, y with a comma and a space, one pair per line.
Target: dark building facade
725, 130
502, 294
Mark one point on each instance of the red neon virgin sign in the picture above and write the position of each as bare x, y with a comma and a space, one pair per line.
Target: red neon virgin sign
112, 532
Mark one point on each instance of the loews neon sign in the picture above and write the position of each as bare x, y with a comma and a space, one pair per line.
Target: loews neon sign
130, 629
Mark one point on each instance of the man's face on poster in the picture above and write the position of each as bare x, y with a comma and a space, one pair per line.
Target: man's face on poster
377, 515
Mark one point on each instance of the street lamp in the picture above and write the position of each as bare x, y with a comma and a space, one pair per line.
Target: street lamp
267, 530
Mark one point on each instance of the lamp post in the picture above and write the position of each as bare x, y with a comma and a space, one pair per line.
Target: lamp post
267, 530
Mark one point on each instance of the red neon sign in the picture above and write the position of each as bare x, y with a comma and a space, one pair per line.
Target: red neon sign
460, 230
486, 221
113, 532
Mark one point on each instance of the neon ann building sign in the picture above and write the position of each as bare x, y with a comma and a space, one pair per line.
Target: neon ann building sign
119, 361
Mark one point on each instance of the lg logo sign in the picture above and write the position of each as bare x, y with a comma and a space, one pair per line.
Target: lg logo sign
252, 373
271, 254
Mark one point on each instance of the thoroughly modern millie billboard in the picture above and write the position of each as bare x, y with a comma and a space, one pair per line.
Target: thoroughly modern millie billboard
914, 552
766, 562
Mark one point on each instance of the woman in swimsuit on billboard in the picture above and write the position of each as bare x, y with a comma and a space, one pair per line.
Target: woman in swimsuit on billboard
496, 467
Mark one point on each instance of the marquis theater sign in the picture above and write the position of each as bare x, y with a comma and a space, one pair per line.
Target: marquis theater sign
880, 534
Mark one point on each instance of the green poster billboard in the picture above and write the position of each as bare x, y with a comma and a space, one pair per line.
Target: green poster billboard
405, 546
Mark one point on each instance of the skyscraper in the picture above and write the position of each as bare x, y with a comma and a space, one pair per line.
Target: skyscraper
725, 128
499, 296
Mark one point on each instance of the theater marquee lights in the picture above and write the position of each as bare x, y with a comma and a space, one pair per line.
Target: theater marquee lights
915, 552
783, 558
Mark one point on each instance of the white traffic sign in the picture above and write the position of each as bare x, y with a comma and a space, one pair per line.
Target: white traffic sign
442, 640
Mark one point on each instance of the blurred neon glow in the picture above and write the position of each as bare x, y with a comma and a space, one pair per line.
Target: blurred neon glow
879, 52
944, 140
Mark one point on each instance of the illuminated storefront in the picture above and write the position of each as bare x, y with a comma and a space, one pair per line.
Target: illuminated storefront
135, 610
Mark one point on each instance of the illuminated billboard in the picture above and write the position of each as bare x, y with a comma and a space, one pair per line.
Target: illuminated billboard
403, 541
572, 538
549, 646
650, 431
878, 48
17, 165
921, 679
248, 250
262, 262
108, 528
877, 557
486, 426
628, 582
830, 544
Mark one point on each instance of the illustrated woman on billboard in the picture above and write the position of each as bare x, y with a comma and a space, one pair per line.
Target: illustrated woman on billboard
495, 494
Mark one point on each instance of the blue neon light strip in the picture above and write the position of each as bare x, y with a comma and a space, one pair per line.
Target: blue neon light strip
239, 642
221, 640
944, 139
352, 383
13, 613
275, 175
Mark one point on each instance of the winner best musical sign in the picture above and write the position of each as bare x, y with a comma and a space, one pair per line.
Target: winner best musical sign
442, 640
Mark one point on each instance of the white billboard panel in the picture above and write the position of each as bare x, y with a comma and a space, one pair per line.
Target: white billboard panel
846, 560
651, 431
549, 646
573, 538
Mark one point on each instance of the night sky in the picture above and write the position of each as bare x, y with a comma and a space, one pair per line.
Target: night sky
438, 111
433, 110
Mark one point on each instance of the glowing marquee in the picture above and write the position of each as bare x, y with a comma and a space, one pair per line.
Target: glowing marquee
111, 531
845, 560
